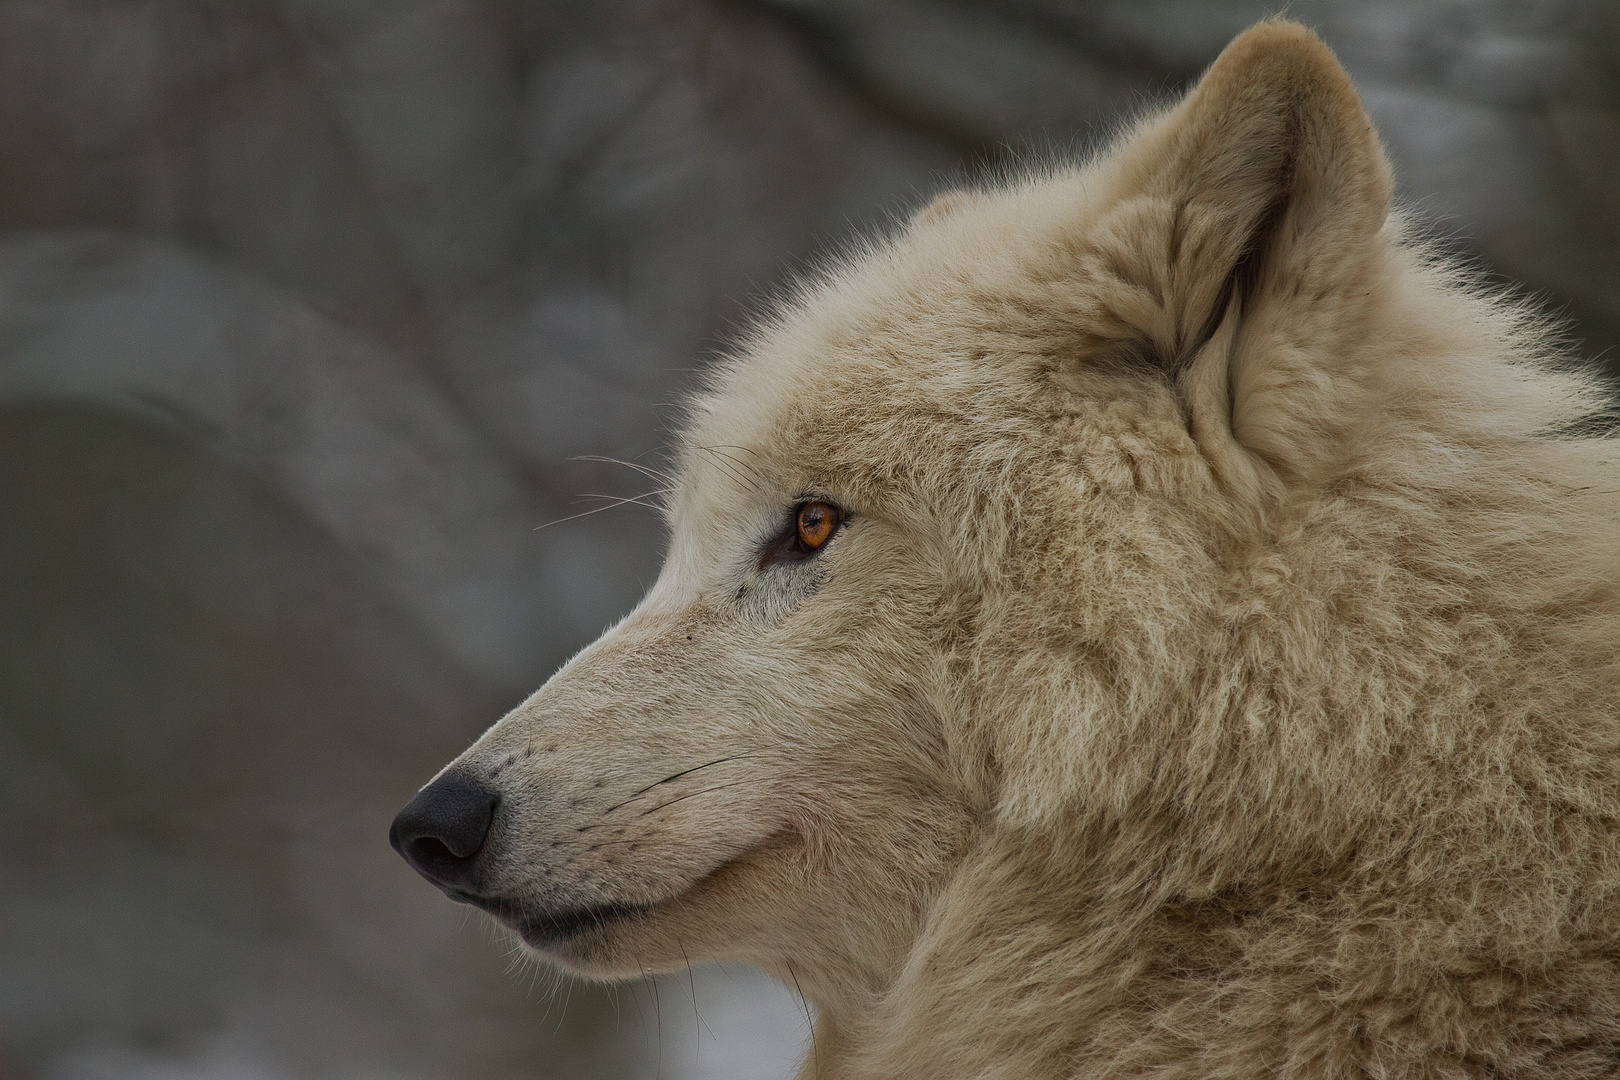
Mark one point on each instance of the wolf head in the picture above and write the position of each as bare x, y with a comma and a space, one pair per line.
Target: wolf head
1086, 507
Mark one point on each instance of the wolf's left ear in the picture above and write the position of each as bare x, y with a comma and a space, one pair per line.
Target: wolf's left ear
1247, 223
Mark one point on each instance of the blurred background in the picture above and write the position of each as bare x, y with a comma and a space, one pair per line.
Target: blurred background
309, 311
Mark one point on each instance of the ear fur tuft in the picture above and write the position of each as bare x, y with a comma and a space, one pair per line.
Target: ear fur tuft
940, 207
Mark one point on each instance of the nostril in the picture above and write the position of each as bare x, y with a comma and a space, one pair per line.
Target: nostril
442, 830
431, 849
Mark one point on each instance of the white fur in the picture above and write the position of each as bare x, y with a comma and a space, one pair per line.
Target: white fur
1216, 678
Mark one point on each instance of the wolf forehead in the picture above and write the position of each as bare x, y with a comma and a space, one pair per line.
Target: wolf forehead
973, 339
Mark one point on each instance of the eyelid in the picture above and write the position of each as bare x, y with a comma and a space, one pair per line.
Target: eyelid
786, 545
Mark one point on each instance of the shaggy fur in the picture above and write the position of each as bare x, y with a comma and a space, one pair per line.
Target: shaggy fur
1216, 676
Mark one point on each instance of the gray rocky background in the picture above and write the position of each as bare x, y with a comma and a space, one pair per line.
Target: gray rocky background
309, 310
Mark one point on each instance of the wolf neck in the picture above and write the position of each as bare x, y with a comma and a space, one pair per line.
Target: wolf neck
1068, 933
1291, 863
1100, 967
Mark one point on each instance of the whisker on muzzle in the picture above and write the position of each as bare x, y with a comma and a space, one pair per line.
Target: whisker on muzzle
704, 791
685, 772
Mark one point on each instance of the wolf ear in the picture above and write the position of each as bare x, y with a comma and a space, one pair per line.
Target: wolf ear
940, 207
1253, 207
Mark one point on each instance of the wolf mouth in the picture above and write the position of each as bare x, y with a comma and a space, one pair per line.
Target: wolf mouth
555, 927
542, 928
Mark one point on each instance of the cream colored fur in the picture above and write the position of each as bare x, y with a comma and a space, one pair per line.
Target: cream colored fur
1217, 676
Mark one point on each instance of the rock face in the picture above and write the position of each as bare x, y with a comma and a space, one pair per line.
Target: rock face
309, 311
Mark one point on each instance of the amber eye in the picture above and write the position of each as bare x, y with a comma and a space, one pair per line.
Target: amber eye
817, 522
807, 530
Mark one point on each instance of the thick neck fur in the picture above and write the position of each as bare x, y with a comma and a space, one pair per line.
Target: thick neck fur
1364, 739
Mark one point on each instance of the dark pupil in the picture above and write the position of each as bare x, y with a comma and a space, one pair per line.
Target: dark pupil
812, 522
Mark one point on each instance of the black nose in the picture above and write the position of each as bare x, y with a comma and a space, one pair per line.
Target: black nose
442, 830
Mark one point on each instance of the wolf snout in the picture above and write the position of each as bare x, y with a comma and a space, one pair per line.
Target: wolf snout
441, 831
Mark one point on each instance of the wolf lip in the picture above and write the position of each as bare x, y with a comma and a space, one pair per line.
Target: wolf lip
549, 928
541, 928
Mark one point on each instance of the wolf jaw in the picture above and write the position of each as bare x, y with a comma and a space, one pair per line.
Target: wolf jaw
1214, 671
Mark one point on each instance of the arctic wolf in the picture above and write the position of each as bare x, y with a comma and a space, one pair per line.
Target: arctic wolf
1149, 619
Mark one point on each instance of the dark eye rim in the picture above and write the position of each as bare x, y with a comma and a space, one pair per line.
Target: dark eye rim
787, 547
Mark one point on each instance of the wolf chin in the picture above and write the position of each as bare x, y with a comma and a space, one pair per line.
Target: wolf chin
1151, 618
